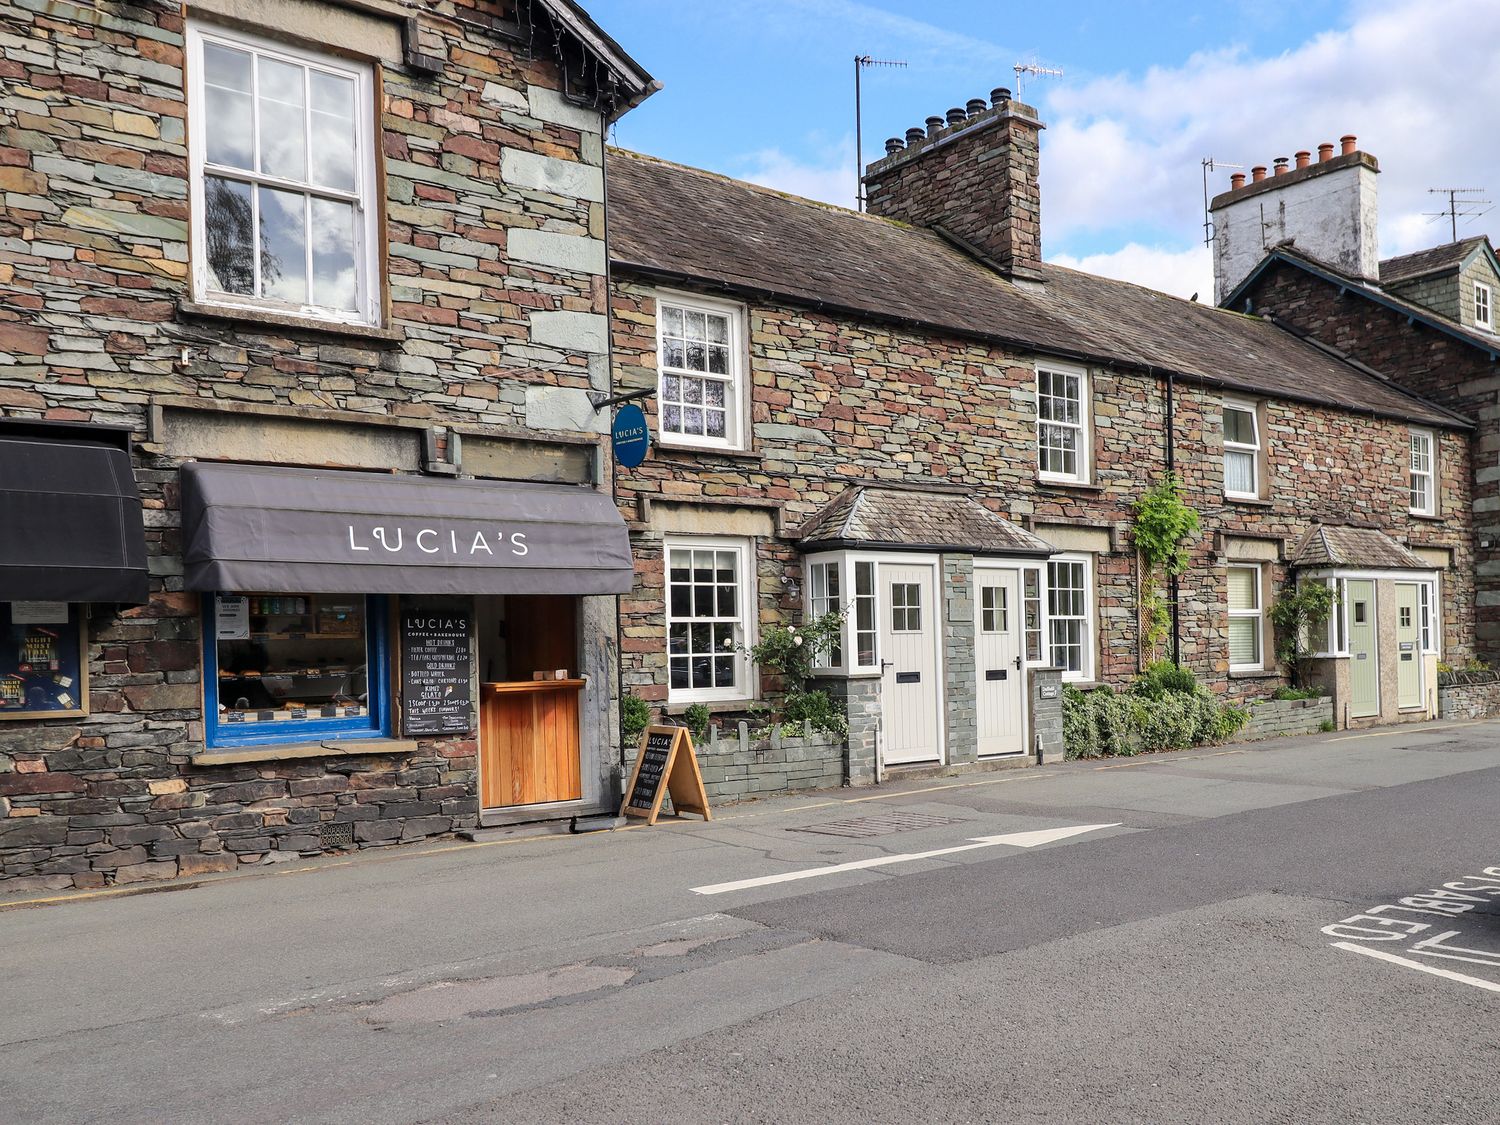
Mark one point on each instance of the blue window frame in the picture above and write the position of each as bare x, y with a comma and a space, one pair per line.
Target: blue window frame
336, 700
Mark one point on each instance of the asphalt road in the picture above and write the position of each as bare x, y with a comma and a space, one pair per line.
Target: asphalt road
1302, 931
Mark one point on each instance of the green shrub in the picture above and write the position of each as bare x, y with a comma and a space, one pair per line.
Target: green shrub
635, 717
1327, 725
1165, 678
1165, 709
1299, 693
816, 709
695, 718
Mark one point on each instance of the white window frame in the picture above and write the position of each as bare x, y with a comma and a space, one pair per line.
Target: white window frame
1088, 657
362, 197
1254, 451
1258, 614
1484, 302
1430, 474
1042, 658
746, 677
820, 602
1083, 428
736, 383
849, 564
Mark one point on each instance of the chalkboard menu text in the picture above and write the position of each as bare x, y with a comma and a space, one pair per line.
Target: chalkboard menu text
665, 764
436, 689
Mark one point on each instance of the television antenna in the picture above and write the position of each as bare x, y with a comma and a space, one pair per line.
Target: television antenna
1036, 70
1211, 165
860, 63
1457, 207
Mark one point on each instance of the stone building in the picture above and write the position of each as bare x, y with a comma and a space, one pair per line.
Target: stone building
907, 415
1425, 321
301, 308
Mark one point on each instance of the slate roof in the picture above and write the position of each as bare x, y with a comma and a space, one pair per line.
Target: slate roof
1360, 547
1435, 259
683, 224
877, 516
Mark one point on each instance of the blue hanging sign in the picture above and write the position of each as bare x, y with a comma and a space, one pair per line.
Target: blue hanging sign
631, 436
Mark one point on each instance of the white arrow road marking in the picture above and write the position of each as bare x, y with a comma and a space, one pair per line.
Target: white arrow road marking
1014, 839
1382, 955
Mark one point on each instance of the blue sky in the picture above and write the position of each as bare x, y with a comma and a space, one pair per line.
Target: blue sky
762, 90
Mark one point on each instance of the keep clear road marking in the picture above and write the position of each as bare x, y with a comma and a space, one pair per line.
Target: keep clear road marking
1014, 839
1448, 974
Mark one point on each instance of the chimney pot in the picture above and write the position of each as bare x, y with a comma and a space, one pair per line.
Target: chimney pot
957, 116
933, 125
1281, 165
915, 136
894, 145
999, 95
1257, 173
976, 106
1304, 158
1236, 180
1348, 141
1325, 151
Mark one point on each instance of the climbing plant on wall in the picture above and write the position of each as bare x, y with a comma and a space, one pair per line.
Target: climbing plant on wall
1164, 523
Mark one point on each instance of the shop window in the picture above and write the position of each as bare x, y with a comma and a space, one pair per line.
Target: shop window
1241, 451
43, 673
1062, 430
294, 667
1246, 619
709, 601
1031, 597
699, 361
1070, 616
824, 597
1423, 488
283, 178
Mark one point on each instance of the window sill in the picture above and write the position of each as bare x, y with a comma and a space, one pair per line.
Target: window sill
715, 706
672, 449
1068, 485
1428, 517
379, 337
284, 752
1254, 674
1249, 501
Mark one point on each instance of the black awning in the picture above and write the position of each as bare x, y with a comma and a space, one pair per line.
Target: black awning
250, 527
70, 521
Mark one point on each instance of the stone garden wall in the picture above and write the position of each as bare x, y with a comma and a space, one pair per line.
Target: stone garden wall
1279, 718
1469, 701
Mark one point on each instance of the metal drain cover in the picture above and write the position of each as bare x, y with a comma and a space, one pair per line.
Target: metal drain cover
867, 826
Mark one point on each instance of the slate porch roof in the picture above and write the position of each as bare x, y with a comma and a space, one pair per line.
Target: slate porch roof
1435, 259
671, 223
909, 519
1361, 548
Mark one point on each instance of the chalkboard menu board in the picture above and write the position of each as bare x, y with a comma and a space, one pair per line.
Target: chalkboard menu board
651, 771
436, 689
665, 765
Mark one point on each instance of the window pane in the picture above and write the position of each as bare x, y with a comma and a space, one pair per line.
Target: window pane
283, 143
1239, 426
283, 246
228, 132
1244, 641
229, 235
335, 279
304, 658
718, 329
333, 130
1239, 472
1244, 588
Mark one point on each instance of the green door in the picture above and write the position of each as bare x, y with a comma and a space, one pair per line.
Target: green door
1364, 651
1408, 647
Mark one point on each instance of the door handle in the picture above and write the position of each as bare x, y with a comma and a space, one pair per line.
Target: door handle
884, 664
1018, 664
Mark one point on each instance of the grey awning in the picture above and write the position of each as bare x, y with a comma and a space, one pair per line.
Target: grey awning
248, 527
70, 521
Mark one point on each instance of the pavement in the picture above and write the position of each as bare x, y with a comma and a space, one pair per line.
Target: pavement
1301, 930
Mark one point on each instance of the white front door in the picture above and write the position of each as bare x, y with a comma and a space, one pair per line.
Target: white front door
909, 689
1000, 693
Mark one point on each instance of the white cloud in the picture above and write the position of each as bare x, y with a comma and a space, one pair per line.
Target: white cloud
1178, 272
828, 177
1414, 79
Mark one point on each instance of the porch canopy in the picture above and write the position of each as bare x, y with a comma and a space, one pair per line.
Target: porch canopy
1353, 548
285, 529
868, 517
70, 517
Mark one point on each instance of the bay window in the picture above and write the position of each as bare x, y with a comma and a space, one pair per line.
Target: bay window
283, 178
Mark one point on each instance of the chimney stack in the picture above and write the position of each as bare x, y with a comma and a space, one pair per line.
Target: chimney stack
1327, 210
974, 175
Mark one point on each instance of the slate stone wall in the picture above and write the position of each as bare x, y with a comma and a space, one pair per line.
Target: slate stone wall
737, 767
1469, 701
497, 311
1280, 718
1440, 368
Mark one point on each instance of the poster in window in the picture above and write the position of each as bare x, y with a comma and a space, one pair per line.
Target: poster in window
41, 661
